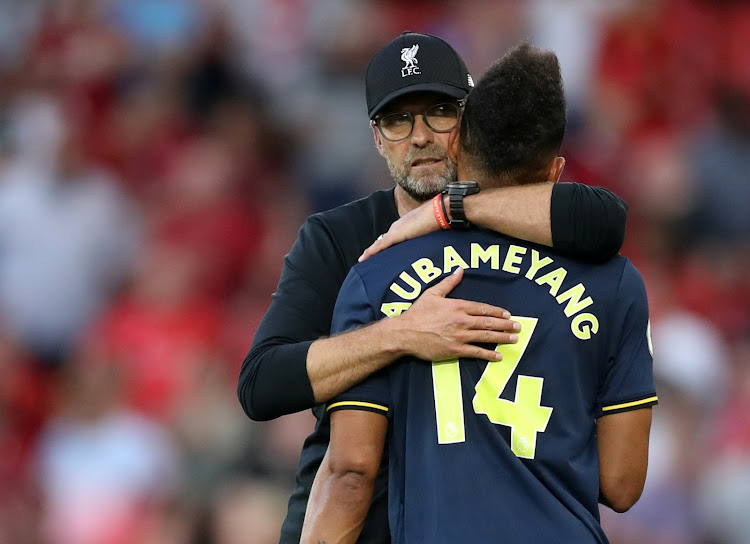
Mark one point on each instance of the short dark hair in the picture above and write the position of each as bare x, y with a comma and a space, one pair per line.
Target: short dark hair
514, 121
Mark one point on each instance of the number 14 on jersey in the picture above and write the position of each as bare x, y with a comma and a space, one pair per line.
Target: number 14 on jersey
525, 415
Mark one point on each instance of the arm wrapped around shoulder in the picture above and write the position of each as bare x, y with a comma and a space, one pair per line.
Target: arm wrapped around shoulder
587, 222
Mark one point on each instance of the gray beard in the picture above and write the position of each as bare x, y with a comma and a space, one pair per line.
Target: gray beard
422, 186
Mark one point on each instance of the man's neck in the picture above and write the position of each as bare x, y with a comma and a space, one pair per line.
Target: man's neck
404, 202
466, 173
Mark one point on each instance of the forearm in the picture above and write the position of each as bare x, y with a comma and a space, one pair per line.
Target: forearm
583, 222
579, 220
279, 377
337, 363
521, 211
337, 507
434, 328
286, 378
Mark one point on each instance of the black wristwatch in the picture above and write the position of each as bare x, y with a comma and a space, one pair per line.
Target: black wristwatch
456, 192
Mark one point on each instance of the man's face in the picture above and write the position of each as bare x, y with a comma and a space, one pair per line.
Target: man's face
420, 163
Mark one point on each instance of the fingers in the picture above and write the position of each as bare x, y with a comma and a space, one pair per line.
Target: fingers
489, 337
415, 223
447, 284
383, 242
482, 309
494, 323
480, 353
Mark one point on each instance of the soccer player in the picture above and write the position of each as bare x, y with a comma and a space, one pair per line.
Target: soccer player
518, 450
293, 364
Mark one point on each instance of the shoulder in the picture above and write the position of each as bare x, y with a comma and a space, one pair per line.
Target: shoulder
364, 211
401, 255
631, 285
349, 229
420, 261
352, 216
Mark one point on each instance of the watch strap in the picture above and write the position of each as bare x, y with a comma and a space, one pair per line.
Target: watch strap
456, 193
458, 217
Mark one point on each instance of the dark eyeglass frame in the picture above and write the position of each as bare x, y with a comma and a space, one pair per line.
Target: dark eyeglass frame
412, 118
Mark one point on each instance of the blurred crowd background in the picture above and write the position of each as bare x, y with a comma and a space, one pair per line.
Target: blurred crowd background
157, 158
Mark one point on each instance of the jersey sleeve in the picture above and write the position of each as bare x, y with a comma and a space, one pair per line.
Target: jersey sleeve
273, 380
629, 376
354, 309
587, 222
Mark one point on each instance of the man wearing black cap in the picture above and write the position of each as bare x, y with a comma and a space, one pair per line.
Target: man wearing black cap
414, 89
432, 82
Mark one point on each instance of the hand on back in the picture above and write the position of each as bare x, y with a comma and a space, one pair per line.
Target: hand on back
441, 328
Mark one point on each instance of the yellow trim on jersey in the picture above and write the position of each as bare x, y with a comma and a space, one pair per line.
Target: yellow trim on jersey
357, 403
629, 404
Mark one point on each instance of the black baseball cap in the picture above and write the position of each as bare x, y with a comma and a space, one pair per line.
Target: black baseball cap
415, 62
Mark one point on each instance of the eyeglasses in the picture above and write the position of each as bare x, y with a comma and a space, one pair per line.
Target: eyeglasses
440, 118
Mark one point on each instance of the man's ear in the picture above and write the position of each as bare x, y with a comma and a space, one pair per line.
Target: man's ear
556, 168
453, 146
378, 141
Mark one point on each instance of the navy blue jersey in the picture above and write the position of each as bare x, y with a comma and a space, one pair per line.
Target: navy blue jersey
502, 451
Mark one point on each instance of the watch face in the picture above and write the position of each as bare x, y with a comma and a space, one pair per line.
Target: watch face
463, 186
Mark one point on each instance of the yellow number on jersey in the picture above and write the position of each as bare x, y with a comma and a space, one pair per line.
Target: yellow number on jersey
449, 405
524, 415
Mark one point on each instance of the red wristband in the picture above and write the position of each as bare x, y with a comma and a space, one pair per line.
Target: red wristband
438, 209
